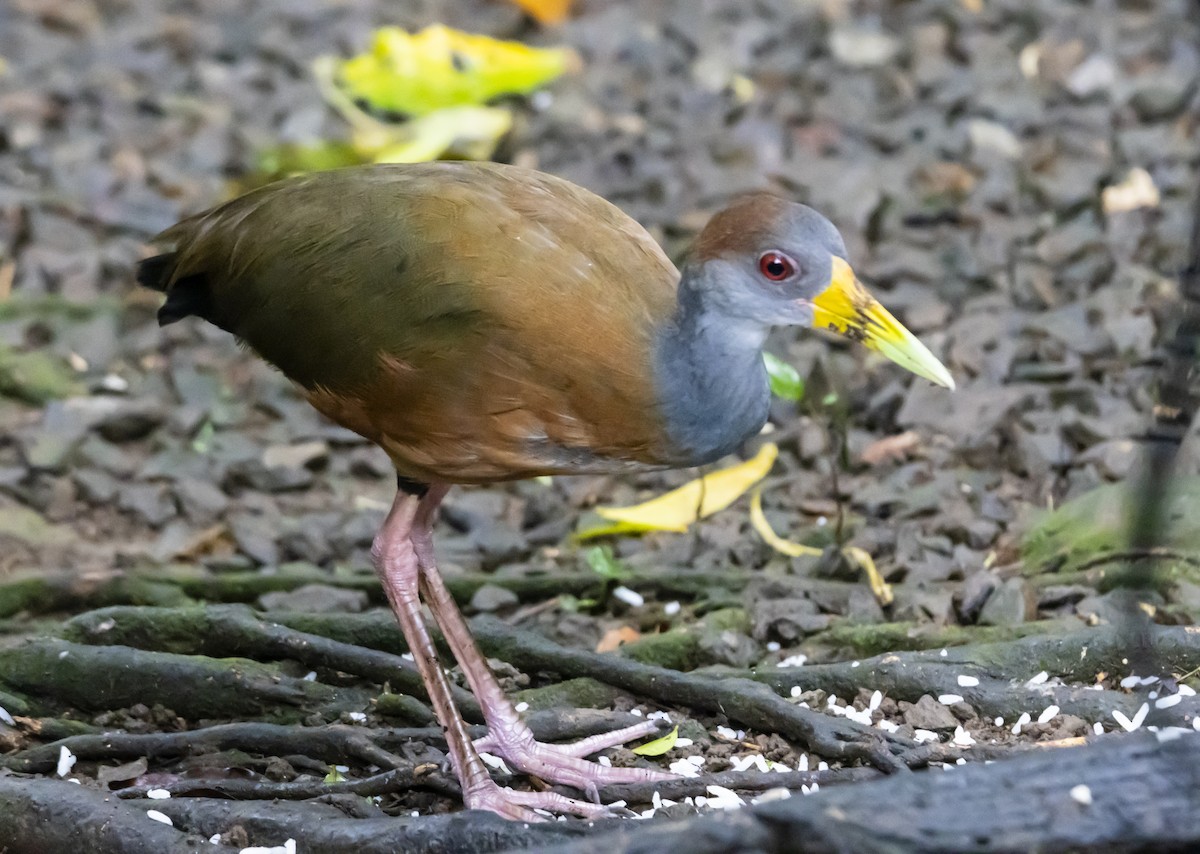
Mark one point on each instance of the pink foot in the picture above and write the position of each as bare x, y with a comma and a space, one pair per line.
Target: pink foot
487, 795
564, 763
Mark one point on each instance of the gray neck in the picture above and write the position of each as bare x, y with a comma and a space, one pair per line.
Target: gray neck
710, 376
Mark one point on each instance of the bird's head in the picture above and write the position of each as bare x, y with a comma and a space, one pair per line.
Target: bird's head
777, 263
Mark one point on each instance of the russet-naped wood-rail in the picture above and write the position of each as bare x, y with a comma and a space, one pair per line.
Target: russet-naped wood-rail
482, 322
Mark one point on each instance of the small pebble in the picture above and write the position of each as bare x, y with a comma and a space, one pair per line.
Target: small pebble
1168, 701
1039, 679
1021, 721
965, 681
671, 609
1081, 794
949, 699
522, 707
158, 794
155, 815
793, 661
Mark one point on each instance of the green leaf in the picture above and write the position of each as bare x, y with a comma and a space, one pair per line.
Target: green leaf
785, 380
334, 775
659, 746
202, 443
604, 563
574, 604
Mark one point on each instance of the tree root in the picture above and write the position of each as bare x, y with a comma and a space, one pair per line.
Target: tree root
97, 678
1003, 670
742, 781
1125, 794
234, 630
408, 776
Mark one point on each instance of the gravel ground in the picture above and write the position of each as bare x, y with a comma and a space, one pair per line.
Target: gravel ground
963, 148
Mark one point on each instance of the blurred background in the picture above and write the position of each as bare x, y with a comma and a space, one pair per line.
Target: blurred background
1012, 178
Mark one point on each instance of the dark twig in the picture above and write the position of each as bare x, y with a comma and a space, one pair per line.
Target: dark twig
397, 779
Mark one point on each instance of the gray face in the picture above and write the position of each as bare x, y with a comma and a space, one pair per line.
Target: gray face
774, 277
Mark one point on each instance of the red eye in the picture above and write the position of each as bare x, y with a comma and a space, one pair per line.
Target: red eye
776, 266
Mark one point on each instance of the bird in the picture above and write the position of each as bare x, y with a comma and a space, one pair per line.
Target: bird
484, 322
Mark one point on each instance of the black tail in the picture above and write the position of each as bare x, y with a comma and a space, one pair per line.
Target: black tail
154, 273
186, 296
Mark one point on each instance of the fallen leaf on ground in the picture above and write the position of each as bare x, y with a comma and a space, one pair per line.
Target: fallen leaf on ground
546, 11
890, 447
614, 638
659, 746
759, 522
864, 561
679, 508
418, 73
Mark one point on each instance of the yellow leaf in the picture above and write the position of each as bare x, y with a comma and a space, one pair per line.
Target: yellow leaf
470, 132
881, 589
417, 73
699, 498
546, 11
759, 522
659, 746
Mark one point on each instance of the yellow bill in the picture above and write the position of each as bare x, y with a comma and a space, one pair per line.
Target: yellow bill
847, 308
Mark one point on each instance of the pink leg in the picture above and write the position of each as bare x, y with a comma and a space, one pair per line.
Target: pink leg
396, 563
508, 736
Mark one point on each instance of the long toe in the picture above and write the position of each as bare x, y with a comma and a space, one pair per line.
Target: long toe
491, 743
556, 764
521, 806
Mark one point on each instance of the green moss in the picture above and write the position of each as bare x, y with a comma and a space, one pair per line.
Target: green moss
35, 377
580, 693
1093, 530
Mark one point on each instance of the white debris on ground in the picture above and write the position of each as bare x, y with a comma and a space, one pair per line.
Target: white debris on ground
629, 597
155, 815
288, 847
66, 761
494, 762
